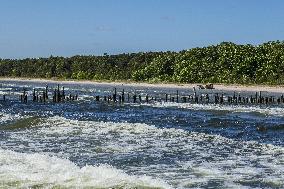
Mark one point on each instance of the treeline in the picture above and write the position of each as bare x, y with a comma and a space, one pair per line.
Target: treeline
223, 63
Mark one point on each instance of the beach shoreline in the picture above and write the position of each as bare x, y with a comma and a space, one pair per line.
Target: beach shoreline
225, 87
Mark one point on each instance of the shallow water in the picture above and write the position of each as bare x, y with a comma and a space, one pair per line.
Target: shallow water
88, 144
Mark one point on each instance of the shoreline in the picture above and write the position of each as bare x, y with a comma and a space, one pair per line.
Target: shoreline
225, 87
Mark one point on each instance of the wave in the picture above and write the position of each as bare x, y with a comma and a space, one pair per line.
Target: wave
23, 170
267, 110
8, 117
180, 158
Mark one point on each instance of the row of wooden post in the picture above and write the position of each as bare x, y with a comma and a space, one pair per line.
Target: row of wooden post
59, 96
194, 98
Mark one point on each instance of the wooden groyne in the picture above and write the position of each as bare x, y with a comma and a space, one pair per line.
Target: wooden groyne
58, 95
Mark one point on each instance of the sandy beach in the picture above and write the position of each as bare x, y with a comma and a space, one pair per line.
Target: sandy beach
227, 87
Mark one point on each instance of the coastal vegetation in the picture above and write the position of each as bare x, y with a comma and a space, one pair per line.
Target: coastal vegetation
223, 63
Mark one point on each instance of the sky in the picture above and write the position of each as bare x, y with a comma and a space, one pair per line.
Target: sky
41, 28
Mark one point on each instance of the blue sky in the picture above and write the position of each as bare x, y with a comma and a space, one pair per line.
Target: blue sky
40, 28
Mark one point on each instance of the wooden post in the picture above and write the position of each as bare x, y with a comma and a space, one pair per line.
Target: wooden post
98, 98
63, 93
222, 98
34, 95
4, 97
166, 97
44, 97
46, 92
147, 98
256, 98
196, 99
122, 98
26, 99
114, 95
134, 98
207, 98
177, 96
58, 94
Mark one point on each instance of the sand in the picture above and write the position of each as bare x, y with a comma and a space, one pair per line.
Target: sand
229, 87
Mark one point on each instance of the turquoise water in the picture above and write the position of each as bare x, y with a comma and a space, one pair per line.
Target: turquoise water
89, 144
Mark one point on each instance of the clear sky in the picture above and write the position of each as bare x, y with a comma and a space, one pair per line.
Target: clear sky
40, 28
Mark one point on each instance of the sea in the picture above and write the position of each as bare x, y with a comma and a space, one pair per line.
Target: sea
160, 144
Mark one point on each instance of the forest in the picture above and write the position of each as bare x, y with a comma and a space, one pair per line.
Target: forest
223, 63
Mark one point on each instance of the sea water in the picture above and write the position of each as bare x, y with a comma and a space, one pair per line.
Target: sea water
89, 144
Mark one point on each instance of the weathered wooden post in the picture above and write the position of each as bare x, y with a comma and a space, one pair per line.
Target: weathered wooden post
177, 97
266, 100
4, 97
222, 98
166, 97
119, 99
46, 92
114, 95
134, 98
97, 98
58, 94
122, 98
147, 98
140, 98
63, 93
26, 99
34, 95
196, 99
256, 97
44, 97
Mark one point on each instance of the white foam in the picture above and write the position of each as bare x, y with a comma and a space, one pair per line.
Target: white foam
206, 157
28, 170
278, 111
5, 117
